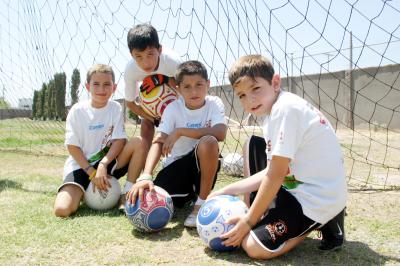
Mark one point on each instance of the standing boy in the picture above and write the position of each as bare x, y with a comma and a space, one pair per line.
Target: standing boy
189, 133
96, 141
304, 186
151, 63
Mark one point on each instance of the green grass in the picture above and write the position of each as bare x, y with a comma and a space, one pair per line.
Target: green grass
31, 234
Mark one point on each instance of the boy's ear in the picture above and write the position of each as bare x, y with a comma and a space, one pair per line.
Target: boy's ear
160, 49
87, 86
276, 82
114, 87
208, 84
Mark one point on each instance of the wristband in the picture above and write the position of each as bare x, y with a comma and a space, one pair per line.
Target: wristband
144, 177
92, 175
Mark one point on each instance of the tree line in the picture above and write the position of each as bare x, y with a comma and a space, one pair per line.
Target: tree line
49, 101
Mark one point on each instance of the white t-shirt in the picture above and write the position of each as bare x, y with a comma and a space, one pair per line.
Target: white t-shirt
297, 130
176, 115
169, 62
92, 129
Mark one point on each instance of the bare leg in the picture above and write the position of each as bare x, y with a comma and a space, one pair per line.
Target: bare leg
256, 251
246, 169
207, 152
147, 134
67, 200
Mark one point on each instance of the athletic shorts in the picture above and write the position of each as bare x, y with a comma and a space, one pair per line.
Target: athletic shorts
80, 178
181, 178
285, 219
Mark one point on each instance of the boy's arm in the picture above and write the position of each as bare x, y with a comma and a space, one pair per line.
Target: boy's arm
269, 187
154, 153
137, 109
77, 153
218, 131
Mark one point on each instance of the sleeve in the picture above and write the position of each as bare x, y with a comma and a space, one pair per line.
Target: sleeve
218, 112
167, 123
71, 132
119, 128
286, 133
131, 88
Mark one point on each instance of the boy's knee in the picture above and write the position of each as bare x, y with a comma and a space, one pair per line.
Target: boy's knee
63, 211
208, 145
254, 250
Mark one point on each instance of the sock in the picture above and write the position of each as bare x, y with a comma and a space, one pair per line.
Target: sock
199, 201
127, 187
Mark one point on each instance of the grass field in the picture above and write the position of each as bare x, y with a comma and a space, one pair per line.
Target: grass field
30, 234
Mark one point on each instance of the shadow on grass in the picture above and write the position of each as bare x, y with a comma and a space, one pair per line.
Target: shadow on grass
6, 184
307, 253
84, 211
11, 184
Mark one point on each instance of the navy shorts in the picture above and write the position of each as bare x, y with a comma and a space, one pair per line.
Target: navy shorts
181, 179
80, 178
285, 219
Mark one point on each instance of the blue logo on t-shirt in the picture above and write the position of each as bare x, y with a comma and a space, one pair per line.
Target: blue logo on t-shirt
193, 125
96, 127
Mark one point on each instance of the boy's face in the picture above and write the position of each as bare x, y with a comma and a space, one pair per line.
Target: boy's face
193, 89
257, 96
101, 87
148, 59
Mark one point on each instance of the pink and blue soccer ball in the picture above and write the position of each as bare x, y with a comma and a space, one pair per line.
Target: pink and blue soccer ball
212, 215
153, 213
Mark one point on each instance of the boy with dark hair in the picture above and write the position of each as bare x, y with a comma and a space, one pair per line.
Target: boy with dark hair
96, 141
303, 185
153, 65
188, 135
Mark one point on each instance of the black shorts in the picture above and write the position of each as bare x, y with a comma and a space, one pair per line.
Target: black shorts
80, 178
181, 179
285, 219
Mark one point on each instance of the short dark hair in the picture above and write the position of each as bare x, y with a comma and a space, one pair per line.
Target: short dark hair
192, 67
100, 68
252, 66
142, 36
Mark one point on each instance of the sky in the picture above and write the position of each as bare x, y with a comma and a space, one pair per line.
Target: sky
39, 38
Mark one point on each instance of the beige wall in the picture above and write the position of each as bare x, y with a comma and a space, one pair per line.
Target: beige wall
376, 97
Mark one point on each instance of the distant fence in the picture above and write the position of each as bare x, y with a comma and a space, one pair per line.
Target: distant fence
14, 113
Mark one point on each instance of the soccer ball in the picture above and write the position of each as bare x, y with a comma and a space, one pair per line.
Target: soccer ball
152, 214
103, 200
154, 102
233, 164
212, 215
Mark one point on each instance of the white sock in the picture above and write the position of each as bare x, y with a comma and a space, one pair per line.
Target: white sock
127, 187
199, 201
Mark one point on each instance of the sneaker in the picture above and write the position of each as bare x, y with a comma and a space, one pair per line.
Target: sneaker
191, 219
121, 203
333, 233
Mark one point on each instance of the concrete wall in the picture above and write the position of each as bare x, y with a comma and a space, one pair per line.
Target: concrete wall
376, 96
14, 113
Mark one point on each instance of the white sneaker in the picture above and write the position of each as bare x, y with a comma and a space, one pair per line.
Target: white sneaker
192, 218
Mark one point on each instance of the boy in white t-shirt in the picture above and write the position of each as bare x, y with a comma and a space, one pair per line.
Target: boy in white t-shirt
188, 135
96, 141
151, 64
303, 186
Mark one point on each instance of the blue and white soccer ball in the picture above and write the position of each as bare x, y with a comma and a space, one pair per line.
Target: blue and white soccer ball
103, 200
153, 213
232, 164
212, 215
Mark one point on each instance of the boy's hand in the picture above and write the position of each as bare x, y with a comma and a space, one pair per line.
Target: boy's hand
219, 192
234, 237
100, 181
137, 190
169, 142
152, 81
